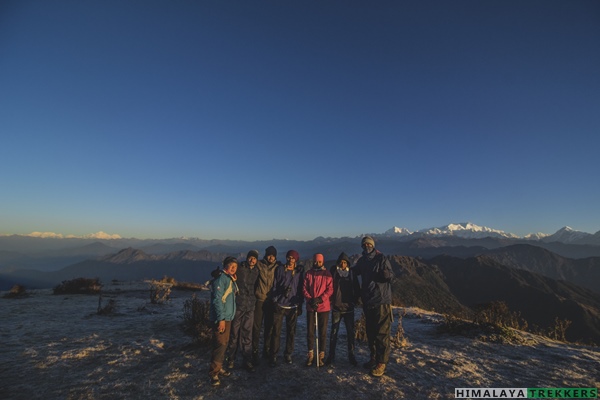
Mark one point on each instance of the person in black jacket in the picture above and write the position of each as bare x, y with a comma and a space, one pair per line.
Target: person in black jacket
346, 292
376, 291
241, 326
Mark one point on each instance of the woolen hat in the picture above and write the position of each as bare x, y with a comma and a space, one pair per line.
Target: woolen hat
293, 253
270, 251
318, 257
367, 239
229, 260
252, 253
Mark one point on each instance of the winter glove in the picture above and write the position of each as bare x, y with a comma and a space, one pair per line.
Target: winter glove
314, 303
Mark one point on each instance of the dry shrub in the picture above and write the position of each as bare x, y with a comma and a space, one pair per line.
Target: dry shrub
79, 286
558, 331
360, 328
399, 339
160, 291
497, 313
196, 320
109, 308
16, 292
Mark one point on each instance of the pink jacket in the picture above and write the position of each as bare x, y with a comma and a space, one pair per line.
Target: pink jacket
318, 283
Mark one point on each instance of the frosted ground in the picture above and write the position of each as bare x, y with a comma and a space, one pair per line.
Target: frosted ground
57, 347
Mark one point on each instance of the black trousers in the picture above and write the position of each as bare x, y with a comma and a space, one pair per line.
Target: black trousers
336, 319
241, 335
379, 328
291, 317
323, 319
263, 313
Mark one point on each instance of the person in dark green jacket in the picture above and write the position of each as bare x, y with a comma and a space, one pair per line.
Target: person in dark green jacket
263, 311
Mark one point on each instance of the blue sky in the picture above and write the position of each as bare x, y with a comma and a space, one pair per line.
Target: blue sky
288, 119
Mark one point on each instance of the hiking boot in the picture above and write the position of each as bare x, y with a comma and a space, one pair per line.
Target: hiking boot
309, 358
378, 370
352, 360
287, 359
224, 372
370, 364
214, 380
273, 362
321, 358
230, 364
330, 359
249, 366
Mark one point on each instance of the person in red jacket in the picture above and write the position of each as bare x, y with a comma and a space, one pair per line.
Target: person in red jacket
318, 288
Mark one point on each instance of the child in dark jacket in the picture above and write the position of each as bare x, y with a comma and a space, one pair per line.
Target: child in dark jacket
346, 293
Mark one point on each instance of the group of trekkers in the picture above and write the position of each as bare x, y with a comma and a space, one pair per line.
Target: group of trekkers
257, 295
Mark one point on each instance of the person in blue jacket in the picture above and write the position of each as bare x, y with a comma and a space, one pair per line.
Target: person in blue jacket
222, 311
287, 298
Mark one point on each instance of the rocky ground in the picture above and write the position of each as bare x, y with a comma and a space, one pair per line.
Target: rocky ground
58, 347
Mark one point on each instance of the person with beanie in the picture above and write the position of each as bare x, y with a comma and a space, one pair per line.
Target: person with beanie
221, 313
346, 293
287, 300
317, 289
242, 324
263, 311
376, 291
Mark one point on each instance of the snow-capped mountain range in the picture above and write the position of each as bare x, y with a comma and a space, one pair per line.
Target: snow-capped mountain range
464, 230
468, 230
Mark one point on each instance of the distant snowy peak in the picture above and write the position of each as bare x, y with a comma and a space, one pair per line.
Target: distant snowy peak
52, 235
395, 231
567, 235
466, 230
536, 236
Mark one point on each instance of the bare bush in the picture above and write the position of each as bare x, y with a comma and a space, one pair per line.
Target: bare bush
498, 314
196, 321
160, 292
558, 331
16, 292
79, 286
109, 308
360, 329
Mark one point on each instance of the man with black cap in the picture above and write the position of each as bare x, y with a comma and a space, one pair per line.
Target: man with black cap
264, 303
376, 292
241, 326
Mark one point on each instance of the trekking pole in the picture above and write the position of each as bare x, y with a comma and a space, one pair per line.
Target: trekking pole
317, 337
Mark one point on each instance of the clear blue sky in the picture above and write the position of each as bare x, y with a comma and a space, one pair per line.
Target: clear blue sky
297, 119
